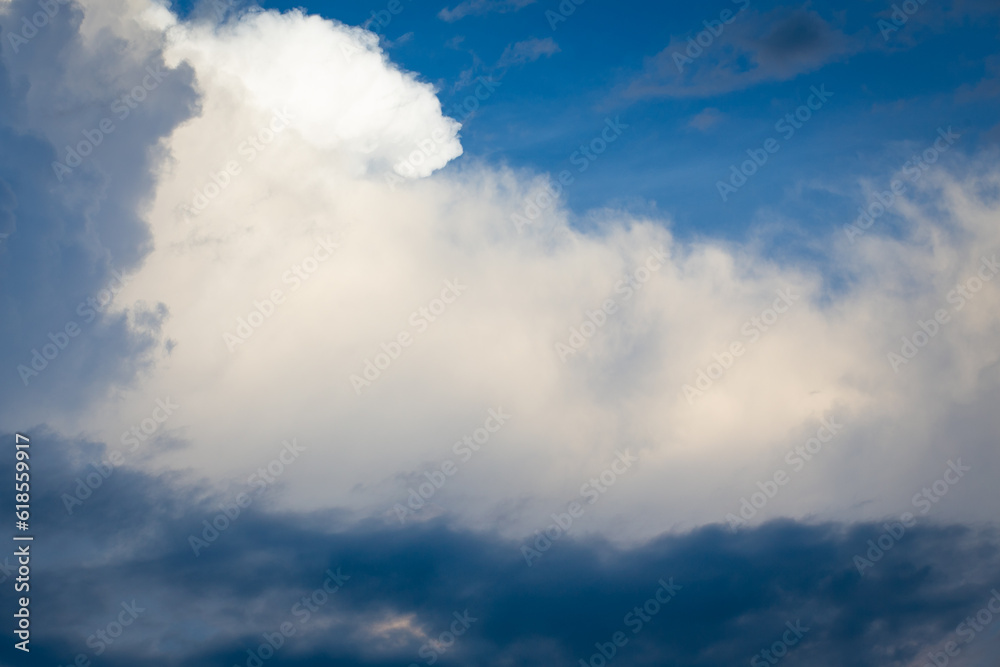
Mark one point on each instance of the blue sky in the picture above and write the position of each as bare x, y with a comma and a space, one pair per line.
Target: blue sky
681, 348
890, 96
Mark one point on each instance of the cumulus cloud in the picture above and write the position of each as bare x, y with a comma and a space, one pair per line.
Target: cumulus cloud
287, 242
283, 240
350, 104
274, 253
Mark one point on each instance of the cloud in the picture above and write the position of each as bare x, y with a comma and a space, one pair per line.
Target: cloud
527, 51
401, 587
71, 229
302, 266
895, 34
988, 87
349, 102
481, 7
706, 118
751, 49
293, 229
293, 261
518, 53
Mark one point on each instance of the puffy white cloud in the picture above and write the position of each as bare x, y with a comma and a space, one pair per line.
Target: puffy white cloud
346, 100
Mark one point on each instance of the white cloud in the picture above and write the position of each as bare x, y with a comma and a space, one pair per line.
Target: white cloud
355, 115
336, 84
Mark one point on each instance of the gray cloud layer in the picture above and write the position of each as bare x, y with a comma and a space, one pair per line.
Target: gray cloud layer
130, 540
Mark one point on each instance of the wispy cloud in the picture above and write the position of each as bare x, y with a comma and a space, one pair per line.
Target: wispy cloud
706, 118
752, 49
481, 7
527, 51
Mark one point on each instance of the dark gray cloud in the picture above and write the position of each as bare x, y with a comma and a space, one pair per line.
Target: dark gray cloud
71, 228
744, 49
800, 34
130, 541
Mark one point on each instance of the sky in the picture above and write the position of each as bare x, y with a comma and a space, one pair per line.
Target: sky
500, 332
